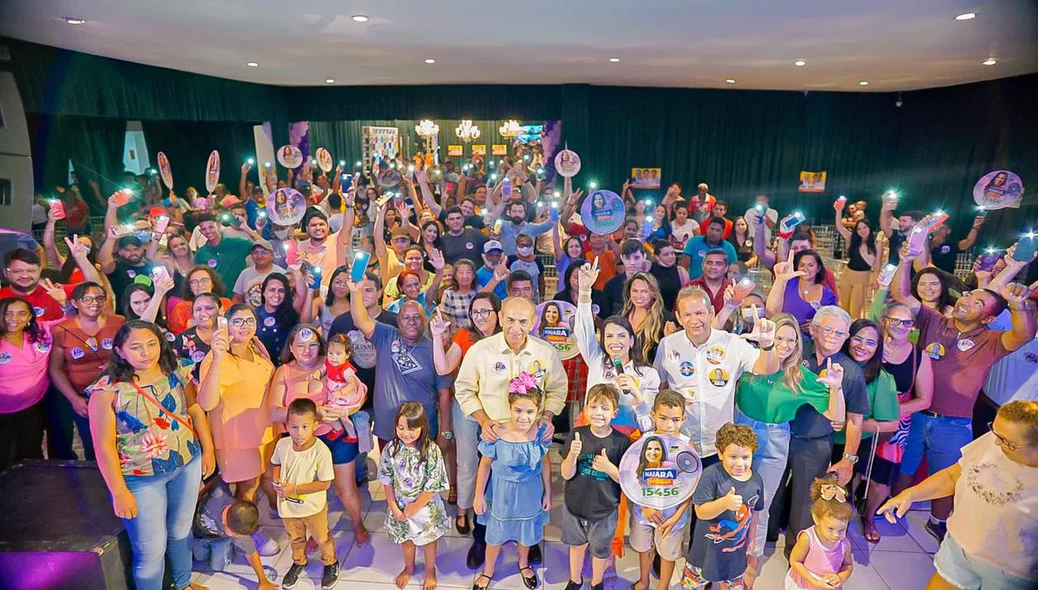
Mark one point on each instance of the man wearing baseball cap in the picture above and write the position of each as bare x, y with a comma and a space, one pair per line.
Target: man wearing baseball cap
248, 287
492, 275
122, 259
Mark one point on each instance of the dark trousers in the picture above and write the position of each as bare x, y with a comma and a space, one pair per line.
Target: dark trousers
21, 436
983, 414
692, 518
61, 420
808, 459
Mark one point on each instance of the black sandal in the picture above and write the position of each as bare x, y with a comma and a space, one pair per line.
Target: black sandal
476, 585
465, 528
530, 582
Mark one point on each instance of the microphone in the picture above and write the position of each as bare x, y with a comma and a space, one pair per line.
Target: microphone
619, 366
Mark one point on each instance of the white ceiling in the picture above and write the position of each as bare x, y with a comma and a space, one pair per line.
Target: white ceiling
894, 44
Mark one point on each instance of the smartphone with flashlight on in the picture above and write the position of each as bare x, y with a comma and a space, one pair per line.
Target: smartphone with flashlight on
987, 260
221, 322
360, 265
1025, 247
315, 277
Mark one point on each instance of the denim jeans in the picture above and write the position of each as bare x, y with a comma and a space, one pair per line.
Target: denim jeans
939, 439
165, 510
466, 437
769, 461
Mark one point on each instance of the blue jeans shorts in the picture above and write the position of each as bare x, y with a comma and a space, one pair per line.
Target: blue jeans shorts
940, 439
963, 571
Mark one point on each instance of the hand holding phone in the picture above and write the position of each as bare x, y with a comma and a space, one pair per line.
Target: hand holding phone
1025, 248
360, 265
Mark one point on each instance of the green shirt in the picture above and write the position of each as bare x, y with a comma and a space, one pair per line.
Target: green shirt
227, 260
767, 398
883, 404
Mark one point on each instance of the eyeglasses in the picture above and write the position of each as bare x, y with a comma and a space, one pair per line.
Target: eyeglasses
23, 271
481, 313
89, 299
200, 282
1005, 442
828, 332
239, 322
900, 322
866, 341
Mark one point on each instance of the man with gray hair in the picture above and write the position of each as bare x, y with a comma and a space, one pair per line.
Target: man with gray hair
810, 433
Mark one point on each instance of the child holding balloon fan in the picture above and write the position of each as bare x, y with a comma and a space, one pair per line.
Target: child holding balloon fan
726, 500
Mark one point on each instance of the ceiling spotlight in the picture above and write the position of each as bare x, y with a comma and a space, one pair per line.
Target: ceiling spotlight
989, 61
966, 16
359, 18
863, 83
614, 60
330, 81
74, 21
252, 64
430, 61
800, 63
730, 81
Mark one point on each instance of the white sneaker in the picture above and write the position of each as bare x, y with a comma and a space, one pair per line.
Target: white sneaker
266, 546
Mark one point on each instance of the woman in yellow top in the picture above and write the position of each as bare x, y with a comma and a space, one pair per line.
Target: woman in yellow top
234, 378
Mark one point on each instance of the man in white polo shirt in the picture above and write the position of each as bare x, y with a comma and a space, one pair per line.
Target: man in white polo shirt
704, 365
481, 390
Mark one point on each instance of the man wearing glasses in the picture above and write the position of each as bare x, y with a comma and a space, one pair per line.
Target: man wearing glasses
963, 350
22, 270
810, 433
991, 537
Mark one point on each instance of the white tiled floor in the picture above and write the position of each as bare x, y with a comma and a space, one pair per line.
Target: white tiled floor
902, 560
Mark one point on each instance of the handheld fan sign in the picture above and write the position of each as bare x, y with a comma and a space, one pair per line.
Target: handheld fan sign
603, 212
324, 160
286, 206
289, 156
660, 471
998, 189
555, 325
567, 163
212, 171
164, 170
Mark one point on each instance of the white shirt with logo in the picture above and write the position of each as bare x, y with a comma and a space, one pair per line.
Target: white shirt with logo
706, 376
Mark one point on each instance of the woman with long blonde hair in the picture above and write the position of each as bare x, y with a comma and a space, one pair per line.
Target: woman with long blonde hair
643, 307
767, 404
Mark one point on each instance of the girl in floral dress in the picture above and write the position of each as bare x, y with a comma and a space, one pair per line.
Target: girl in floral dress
414, 474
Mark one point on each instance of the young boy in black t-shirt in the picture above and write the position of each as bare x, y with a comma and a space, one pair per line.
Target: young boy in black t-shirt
590, 467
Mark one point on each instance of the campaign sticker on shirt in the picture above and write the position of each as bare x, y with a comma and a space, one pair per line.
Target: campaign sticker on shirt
538, 370
4, 358
170, 336
78, 353
39, 311
660, 471
603, 212
131, 273
395, 346
41, 347
500, 368
935, 350
687, 369
718, 377
469, 245
107, 344
554, 325
211, 263
270, 321
965, 344
715, 355
197, 356
945, 249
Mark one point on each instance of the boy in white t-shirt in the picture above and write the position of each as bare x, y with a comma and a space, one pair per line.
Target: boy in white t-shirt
302, 475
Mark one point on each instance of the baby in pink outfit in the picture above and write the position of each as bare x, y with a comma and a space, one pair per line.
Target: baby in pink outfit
344, 389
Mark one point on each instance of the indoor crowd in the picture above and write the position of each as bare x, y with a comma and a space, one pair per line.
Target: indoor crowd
216, 364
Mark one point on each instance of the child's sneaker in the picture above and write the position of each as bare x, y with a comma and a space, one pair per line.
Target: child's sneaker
293, 575
330, 576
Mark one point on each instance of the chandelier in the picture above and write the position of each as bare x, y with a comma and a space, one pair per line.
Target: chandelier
426, 129
510, 129
467, 131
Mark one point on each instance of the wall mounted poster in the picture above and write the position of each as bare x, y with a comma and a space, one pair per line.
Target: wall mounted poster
603, 212
998, 189
479, 149
812, 182
645, 177
499, 149
660, 471
455, 150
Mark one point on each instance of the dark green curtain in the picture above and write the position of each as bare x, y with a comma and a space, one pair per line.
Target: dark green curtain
95, 147
187, 144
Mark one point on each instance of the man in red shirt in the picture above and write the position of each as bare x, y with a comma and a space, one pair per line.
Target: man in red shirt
719, 211
22, 268
714, 279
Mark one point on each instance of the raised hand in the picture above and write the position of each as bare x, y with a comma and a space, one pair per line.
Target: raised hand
220, 343
76, 249
436, 259
588, 275
437, 325
833, 378
501, 272
742, 289
784, 270
576, 446
602, 463
163, 285
763, 332
839, 204
55, 290
1015, 294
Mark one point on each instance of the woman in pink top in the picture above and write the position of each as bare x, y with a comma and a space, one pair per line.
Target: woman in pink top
25, 345
301, 374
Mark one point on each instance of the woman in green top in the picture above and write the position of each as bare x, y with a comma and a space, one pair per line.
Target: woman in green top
865, 347
767, 403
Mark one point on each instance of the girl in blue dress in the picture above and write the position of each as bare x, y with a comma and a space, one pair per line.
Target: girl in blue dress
513, 483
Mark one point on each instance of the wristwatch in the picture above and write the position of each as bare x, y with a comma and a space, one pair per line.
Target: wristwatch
447, 434
852, 458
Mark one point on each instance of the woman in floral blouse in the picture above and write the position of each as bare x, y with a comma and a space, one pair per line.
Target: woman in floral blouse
153, 448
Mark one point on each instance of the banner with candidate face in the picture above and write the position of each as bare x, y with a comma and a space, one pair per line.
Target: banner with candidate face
660, 471
603, 212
